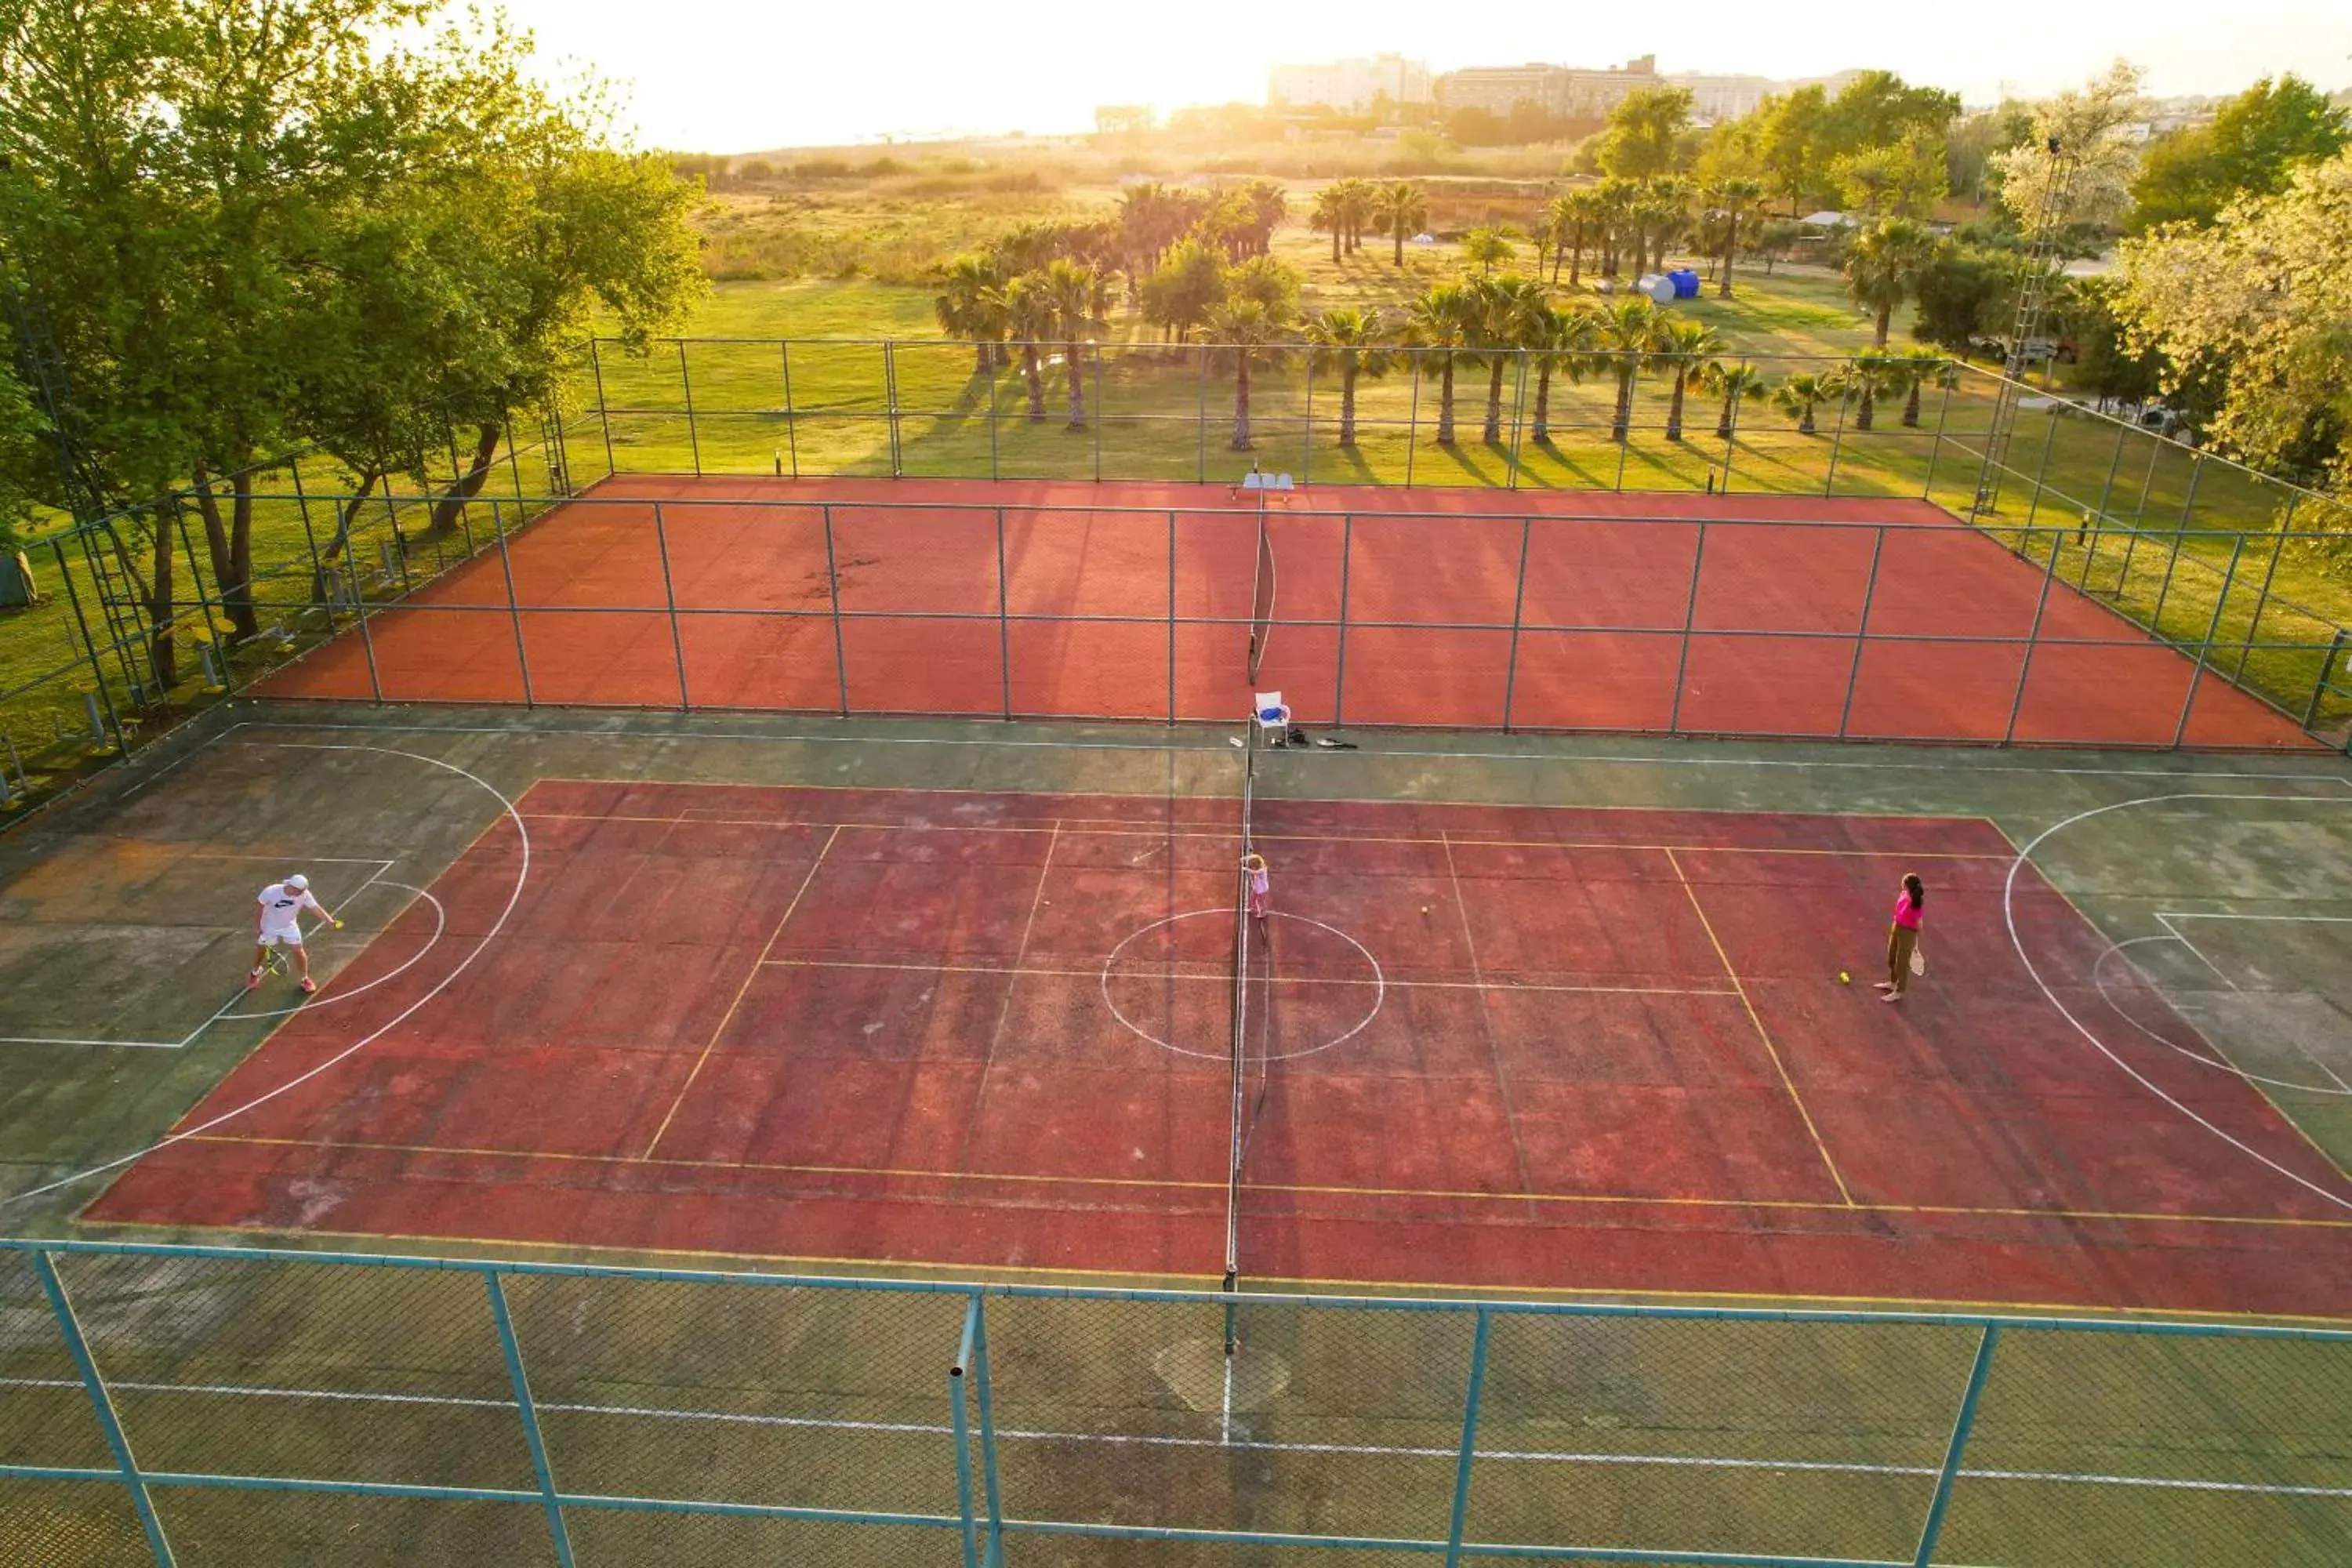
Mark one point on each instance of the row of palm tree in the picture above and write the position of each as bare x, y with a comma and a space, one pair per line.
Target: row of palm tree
1064, 302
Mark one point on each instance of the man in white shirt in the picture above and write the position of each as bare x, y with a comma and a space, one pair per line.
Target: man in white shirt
278, 922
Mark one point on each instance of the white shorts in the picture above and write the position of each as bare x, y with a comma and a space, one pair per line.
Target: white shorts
292, 936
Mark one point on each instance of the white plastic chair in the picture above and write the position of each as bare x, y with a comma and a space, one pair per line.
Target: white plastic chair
1278, 727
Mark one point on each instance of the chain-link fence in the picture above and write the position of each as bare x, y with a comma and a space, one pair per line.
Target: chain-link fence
209, 1406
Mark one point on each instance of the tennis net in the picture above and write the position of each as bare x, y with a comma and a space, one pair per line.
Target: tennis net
1261, 595
1241, 1010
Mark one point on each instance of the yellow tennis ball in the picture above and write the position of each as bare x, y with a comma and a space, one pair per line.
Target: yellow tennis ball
1843, 978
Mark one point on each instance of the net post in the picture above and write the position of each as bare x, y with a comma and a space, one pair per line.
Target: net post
669, 597
1003, 624
832, 593
1339, 677
1862, 630
514, 605
792, 420
101, 1404
1940, 1501
1466, 1456
1519, 612
686, 385
1690, 618
2205, 648
603, 414
2032, 643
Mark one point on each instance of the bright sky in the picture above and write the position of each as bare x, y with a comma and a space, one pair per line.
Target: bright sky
746, 75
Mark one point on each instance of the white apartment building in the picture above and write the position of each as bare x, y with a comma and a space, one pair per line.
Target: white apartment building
1350, 85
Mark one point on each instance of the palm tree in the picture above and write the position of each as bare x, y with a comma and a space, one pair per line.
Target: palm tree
1402, 208
1247, 331
1267, 204
1445, 319
1665, 210
1737, 383
966, 306
1349, 341
1800, 394
1613, 201
1558, 341
1692, 348
1356, 198
1572, 218
1626, 335
1483, 248
1029, 317
1506, 307
1074, 293
1882, 266
1865, 376
1734, 197
1914, 369
1330, 213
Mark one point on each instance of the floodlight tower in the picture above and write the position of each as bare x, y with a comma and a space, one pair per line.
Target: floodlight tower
2033, 299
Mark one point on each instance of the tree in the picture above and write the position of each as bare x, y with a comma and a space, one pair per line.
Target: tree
2254, 140
1356, 203
1737, 383
2105, 365
1791, 145
1446, 319
1270, 280
1248, 332
1350, 342
1799, 395
1956, 293
1567, 220
1911, 371
1733, 198
1882, 266
1879, 108
1029, 316
1689, 349
2094, 163
1402, 208
1643, 136
1070, 295
1189, 285
1864, 378
2185, 294
967, 306
1328, 215
1626, 334
1506, 308
1558, 341
1483, 248
1905, 178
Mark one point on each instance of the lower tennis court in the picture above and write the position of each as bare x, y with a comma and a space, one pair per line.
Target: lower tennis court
1562, 611
648, 1001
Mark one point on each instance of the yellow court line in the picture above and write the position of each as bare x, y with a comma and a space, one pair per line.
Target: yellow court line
1486, 1024
1762, 1033
1211, 977
1004, 1002
1274, 1284
750, 974
1305, 1189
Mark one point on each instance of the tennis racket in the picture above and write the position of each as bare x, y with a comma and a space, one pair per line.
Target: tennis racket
1919, 960
273, 959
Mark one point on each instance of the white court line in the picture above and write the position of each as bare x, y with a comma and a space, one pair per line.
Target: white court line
2214, 915
2163, 919
522, 878
2009, 917
1224, 1439
2217, 1061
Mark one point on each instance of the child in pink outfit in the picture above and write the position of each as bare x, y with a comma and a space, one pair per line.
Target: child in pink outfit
1902, 938
1261, 885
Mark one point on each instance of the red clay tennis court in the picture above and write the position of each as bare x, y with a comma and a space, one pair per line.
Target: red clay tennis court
1488, 1045
1730, 615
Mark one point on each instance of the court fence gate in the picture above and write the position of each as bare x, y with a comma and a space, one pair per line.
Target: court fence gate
210, 1404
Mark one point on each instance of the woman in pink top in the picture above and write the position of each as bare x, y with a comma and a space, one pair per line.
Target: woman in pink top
1902, 938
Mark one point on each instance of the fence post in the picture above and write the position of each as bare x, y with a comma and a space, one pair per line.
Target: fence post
1731, 437
88, 643
317, 567
1862, 630
2327, 669
963, 1427
1468, 1454
1519, 606
1935, 450
890, 403
1837, 436
833, 592
1518, 423
2042, 473
2262, 599
1307, 458
603, 414
994, 380
669, 597
2205, 648
2188, 503
792, 420
2155, 450
103, 1405
1941, 1501
1625, 441
1347, 555
686, 385
983, 1386
1098, 411
514, 604
511, 1349
2033, 642
1690, 618
2107, 490
1003, 622
1201, 413
195, 581
1413, 416
1172, 617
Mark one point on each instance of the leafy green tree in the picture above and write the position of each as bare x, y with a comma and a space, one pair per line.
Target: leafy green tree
1402, 208
2252, 145
1350, 342
1687, 349
2096, 157
1882, 266
1446, 319
1627, 334
23, 437
1070, 293
1879, 108
1643, 136
1791, 145
1799, 397
1188, 286
1956, 294
1271, 281
2106, 365
1735, 384
1247, 332
1485, 247
1905, 179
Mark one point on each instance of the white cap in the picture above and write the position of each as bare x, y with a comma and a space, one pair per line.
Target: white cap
299, 882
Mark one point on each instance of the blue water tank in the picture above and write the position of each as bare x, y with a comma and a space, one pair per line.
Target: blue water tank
1686, 282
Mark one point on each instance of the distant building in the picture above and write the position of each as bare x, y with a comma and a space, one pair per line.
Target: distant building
1719, 98
1350, 86
1592, 94
1575, 93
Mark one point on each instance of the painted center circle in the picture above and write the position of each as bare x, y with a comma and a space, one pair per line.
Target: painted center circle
1172, 933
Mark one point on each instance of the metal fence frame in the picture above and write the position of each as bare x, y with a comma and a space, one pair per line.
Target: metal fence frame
984, 1516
